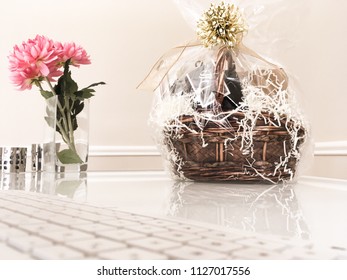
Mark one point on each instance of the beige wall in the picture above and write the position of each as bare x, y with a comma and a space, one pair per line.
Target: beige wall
125, 38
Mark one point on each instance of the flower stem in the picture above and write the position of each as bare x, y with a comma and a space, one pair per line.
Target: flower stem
61, 109
63, 133
71, 135
67, 131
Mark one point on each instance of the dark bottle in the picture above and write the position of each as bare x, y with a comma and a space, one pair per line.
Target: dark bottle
231, 88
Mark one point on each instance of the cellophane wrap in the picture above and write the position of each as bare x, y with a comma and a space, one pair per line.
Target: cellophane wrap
225, 113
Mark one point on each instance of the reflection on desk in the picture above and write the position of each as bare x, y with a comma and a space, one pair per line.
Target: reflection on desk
314, 208
260, 208
72, 185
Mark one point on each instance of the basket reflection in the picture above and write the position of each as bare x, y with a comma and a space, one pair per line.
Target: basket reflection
256, 208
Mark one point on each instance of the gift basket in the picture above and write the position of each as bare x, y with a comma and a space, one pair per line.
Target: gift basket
222, 112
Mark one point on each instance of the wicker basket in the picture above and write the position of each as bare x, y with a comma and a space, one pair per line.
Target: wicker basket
220, 142
215, 159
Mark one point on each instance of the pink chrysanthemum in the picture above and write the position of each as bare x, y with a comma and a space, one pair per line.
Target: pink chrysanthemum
75, 53
33, 60
25, 78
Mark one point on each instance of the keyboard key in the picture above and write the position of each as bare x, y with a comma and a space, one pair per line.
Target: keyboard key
220, 235
92, 228
97, 245
23, 220
86, 208
176, 236
153, 243
8, 253
28, 210
13, 218
4, 226
42, 227
66, 220
133, 217
56, 252
257, 254
28, 243
216, 245
120, 234
106, 212
187, 228
193, 253
5, 213
132, 254
161, 223
66, 236
290, 241
11, 232
92, 217
43, 215
310, 254
54, 209
340, 257
119, 223
262, 243
146, 229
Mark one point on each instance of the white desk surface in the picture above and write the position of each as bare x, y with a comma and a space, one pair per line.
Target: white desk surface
313, 208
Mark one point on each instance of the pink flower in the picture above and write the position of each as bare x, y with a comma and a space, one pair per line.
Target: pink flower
41, 58
25, 78
33, 60
76, 53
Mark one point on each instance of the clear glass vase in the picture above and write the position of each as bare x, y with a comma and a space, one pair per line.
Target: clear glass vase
67, 145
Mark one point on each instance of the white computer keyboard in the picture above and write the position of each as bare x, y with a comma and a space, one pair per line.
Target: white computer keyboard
39, 226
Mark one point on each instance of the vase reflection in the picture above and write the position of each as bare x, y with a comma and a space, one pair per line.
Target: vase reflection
256, 208
71, 185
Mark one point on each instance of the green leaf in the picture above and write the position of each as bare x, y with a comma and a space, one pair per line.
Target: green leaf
70, 86
69, 156
46, 94
85, 93
50, 121
66, 85
59, 115
96, 84
77, 108
68, 188
58, 87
